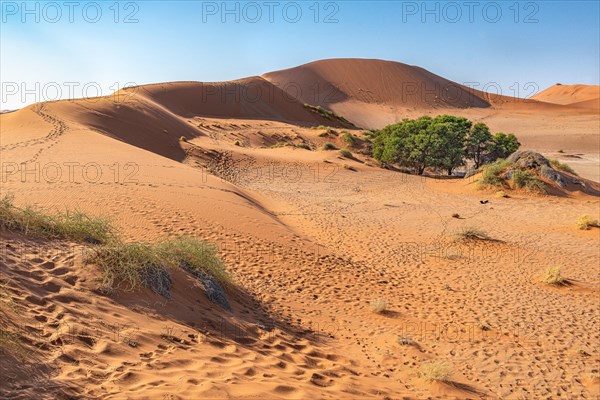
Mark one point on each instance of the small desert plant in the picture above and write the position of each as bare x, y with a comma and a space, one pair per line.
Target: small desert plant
471, 233
404, 341
562, 166
586, 222
323, 134
75, 226
552, 276
329, 146
195, 256
436, 370
483, 325
349, 138
501, 193
349, 167
237, 143
528, 180
183, 139
130, 266
346, 153
378, 306
490, 176
455, 215
303, 145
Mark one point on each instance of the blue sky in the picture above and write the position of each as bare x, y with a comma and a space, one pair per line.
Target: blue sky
53, 50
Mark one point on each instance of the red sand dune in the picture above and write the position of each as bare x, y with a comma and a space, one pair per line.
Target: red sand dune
570, 94
373, 82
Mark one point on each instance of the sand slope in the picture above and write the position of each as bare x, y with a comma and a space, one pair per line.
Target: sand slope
570, 94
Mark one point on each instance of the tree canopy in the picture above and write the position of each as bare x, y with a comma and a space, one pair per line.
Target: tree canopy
442, 143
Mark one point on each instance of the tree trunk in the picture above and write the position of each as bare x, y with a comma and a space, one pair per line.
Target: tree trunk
449, 171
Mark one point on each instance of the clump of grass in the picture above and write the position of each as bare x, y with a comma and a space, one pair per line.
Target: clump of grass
303, 145
183, 139
349, 138
76, 226
329, 146
195, 256
528, 180
586, 222
455, 215
131, 266
502, 194
552, 276
471, 233
237, 143
346, 153
378, 306
349, 167
562, 166
491, 174
327, 114
435, 371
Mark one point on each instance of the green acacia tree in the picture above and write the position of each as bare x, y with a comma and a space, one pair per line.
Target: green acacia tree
478, 143
443, 142
450, 133
502, 145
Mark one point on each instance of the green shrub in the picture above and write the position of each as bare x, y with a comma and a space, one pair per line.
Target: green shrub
562, 166
303, 146
349, 138
346, 153
329, 146
491, 174
528, 180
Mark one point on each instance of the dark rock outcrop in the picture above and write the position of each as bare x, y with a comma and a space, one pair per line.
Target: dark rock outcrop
535, 161
528, 159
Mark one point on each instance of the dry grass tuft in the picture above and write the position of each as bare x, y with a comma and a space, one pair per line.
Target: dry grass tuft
75, 226
586, 222
378, 306
552, 276
436, 371
471, 233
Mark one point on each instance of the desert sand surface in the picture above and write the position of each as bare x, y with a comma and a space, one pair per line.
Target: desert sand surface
311, 239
